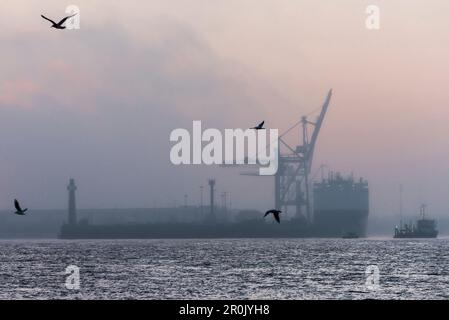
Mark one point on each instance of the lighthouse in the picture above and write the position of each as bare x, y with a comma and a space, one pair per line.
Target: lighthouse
71, 188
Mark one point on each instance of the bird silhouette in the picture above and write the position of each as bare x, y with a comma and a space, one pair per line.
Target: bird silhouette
275, 214
259, 126
20, 211
58, 25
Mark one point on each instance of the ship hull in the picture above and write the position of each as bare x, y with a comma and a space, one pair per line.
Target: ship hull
187, 231
337, 223
341, 207
424, 228
416, 235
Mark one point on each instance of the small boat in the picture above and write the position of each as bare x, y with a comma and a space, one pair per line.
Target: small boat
424, 228
350, 235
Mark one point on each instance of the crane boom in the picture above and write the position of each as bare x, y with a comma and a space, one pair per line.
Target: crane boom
318, 124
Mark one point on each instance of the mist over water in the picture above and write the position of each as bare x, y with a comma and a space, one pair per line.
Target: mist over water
98, 104
225, 269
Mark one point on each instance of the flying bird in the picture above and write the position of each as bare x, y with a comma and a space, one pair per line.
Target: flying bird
58, 25
19, 209
259, 126
275, 214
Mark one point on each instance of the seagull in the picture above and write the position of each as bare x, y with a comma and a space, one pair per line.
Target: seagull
275, 214
259, 126
58, 25
19, 211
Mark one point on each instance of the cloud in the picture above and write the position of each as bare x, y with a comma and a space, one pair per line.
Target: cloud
98, 104
19, 92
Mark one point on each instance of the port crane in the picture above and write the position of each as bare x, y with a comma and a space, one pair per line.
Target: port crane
292, 183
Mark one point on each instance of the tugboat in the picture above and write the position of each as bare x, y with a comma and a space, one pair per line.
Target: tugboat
424, 228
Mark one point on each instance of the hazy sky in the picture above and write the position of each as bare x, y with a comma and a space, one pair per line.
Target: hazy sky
98, 104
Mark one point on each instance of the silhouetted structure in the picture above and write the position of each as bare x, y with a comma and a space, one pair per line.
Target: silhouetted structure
201, 199
330, 208
212, 195
336, 212
72, 202
341, 206
292, 182
424, 228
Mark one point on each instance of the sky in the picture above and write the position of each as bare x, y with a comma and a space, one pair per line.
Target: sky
98, 104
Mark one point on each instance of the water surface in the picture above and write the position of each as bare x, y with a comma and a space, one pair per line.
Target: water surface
226, 269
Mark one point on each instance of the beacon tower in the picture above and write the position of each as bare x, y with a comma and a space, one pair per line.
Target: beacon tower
71, 188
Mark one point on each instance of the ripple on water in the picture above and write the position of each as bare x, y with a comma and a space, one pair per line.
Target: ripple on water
225, 269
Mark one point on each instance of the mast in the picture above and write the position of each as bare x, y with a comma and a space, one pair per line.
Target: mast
423, 211
400, 206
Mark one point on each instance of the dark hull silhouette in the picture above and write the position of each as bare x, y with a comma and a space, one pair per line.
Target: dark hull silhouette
350, 235
424, 228
340, 206
416, 234
246, 229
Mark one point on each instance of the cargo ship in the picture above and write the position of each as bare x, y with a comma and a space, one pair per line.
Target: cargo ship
423, 228
340, 205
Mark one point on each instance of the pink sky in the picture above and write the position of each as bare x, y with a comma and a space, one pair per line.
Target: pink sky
229, 63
